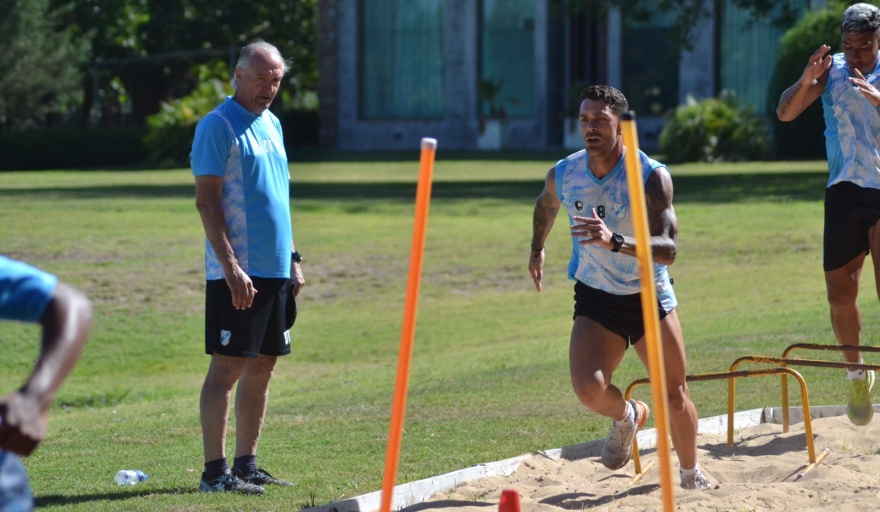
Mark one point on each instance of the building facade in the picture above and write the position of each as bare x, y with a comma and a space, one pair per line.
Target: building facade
505, 74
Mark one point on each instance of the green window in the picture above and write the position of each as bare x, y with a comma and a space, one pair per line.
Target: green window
401, 65
749, 48
650, 64
507, 58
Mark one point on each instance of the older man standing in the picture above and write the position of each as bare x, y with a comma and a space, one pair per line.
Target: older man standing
243, 198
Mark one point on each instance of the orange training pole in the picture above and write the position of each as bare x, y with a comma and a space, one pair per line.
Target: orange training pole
423, 200
649, 303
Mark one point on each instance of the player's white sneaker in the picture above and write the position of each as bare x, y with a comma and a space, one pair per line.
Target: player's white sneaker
618, 447
696, 481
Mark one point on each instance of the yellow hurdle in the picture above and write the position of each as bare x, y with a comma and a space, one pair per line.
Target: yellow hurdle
731, 377
815, 346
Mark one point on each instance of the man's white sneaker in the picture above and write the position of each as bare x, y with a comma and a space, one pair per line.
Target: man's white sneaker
618, 447
696, 481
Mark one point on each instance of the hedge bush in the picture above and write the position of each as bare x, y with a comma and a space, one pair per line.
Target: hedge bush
65, 148
300, 128
712, 130
803, 138
172, 129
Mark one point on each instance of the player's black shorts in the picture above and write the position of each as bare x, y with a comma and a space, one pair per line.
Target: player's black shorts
850, 210
620, 314
260, 329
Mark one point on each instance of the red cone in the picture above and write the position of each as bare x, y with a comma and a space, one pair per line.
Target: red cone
509, 501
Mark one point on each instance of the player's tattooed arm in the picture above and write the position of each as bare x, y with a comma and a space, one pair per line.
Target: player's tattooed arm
662, 222
808, 88
546, 208
787, 96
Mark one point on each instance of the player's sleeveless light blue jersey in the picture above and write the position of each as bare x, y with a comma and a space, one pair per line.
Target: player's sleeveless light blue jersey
247, 150
580, 191
852, 128
25, 291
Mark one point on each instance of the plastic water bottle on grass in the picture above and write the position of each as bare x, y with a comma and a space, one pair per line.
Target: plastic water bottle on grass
130, 476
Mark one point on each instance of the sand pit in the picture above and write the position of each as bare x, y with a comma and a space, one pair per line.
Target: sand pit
758, 473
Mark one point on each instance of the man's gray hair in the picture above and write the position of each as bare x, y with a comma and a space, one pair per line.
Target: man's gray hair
248, 52
860, 18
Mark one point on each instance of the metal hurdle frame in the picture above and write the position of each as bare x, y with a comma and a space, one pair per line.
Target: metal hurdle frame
783, 370
731, 376
831, 364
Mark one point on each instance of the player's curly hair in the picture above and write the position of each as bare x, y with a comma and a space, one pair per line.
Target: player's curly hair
615, 99
860, 18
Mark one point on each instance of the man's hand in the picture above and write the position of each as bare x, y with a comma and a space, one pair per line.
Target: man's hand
296, 278
23, 423
808, 88
592, 231
536, 268
818, 65
866, 88
242, 288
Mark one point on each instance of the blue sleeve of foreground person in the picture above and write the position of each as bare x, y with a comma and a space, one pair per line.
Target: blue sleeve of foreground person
25, 291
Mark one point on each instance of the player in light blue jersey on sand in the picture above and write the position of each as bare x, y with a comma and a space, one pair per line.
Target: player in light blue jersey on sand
252, 268
847, 83
591, 185
28, 294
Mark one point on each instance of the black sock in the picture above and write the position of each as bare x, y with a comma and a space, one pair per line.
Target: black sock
215, 468
245, 465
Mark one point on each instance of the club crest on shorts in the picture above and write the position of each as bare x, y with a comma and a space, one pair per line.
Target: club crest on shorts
225, 337
579, 206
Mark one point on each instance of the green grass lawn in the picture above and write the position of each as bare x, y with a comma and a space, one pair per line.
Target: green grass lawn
489, 377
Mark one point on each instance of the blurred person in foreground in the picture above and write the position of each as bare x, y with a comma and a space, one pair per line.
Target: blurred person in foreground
592, 185
252, 267
847, 83
28, 294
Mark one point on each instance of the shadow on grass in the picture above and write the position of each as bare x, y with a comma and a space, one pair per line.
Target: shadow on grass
725, 188
323, 155
94, 400
60, 500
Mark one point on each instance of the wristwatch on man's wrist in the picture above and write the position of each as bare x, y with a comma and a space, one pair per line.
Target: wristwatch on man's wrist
296, 257
617, 239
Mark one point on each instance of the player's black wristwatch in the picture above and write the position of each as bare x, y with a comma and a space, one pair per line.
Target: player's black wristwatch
296, 257
617, 239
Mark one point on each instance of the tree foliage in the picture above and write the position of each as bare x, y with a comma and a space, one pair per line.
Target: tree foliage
39, 74
804, 137
146, 50
171, 130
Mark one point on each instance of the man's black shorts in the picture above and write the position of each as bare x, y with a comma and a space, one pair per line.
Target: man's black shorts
259, 329
850, 211
620, 314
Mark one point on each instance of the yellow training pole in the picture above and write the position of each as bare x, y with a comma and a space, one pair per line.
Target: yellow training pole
649, 303
423, 200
